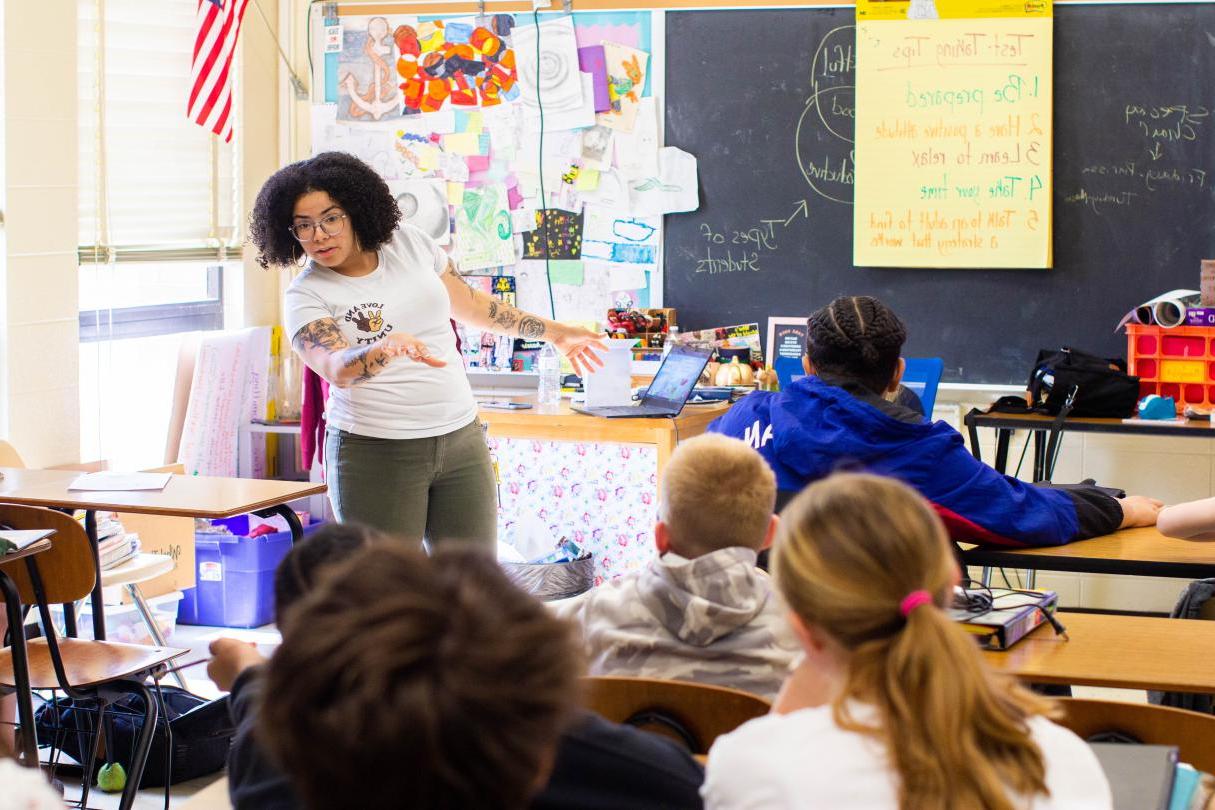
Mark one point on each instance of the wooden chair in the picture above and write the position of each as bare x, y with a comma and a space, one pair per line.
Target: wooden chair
1191, 732
694, 714
97, 672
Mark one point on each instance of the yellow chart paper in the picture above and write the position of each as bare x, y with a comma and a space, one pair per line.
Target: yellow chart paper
953, 143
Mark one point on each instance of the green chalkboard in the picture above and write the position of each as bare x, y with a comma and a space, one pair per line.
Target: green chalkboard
765, 100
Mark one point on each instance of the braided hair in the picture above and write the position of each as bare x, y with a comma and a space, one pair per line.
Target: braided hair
857, 338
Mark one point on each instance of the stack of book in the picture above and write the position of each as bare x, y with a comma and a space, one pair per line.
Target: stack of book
115, 545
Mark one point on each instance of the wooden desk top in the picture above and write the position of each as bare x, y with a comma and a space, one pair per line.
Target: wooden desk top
1194, 428
1137, 552
560, 419
1126, 652
184, 495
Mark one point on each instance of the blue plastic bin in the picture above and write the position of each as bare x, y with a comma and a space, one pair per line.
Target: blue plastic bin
235, 576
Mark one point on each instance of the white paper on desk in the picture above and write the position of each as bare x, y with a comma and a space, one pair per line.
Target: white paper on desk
612, 383
1167, 310
120, 482
20, 538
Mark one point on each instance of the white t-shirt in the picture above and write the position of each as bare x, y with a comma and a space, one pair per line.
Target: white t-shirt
802, 759
407, 400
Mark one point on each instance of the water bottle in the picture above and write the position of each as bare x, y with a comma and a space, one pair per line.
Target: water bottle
669, 341
549, 366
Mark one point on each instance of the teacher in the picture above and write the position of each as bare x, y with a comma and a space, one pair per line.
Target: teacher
370, 313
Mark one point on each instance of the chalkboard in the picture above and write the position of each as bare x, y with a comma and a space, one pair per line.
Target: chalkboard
764, 99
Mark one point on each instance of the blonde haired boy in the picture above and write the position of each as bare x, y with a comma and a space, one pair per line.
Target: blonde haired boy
700, 610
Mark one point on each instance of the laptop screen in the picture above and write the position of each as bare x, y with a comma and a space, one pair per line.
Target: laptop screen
677, 376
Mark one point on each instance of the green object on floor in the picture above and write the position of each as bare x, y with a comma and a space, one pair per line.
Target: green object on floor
112, 777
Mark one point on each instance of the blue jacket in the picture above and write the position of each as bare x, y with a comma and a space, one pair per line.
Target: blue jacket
814, 428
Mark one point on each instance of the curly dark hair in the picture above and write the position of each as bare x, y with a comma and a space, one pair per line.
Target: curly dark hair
857, 338
351, 183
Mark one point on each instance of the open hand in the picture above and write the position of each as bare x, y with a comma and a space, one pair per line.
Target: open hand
1138, 510
579, 345
229, 658
403, 344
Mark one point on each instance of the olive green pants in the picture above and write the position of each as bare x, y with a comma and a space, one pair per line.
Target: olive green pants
440, 488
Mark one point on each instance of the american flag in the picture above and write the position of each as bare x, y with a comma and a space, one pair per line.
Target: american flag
218, 24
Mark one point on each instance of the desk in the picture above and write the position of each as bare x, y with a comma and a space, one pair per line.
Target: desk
1143, 552
1124, 652
183, 496
1041, 425
27, 746
590, 479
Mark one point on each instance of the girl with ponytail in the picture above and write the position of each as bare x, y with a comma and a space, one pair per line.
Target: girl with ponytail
892, 705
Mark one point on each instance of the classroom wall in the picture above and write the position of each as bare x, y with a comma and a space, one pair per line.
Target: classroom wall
39, 354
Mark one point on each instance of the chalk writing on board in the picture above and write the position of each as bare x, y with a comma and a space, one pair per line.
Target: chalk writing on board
735, 250
824, 134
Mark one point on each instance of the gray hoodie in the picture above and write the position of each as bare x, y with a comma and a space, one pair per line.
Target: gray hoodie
713, 619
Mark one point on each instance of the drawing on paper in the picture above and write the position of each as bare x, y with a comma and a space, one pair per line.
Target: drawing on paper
553, 73
365, 81
561, 230
626, 80
423, 204
456, 62
483, 228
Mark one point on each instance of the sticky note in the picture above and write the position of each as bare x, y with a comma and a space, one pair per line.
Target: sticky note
462, 143
455, 193
588, 180
566, 271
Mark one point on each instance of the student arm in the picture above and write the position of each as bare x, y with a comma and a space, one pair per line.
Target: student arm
483, 311
1194, 520
321, 345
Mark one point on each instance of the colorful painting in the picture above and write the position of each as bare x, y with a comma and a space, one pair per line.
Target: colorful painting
456, 62
366, 87
483, 228
626, 83
561, 230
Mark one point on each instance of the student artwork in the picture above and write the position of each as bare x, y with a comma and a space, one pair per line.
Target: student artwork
484, 235
623, 239
637, 151
626, 80
456, 62
597, 147
672, 190
561, 230
551, 76
593, 61
366, 85
417, 154
423, 204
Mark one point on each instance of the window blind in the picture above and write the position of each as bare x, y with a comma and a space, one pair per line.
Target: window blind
153, 185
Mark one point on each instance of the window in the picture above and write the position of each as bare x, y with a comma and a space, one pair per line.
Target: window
159, 212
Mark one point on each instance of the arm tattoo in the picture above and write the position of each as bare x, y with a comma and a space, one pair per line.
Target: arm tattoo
506, 317
320, 334
451, 268
362, 359
531, 328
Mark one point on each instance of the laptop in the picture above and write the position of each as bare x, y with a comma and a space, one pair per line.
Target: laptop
668, 391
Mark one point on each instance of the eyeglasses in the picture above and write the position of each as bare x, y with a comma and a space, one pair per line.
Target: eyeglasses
331, 225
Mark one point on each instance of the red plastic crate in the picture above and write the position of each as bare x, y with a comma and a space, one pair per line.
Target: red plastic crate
1177, 363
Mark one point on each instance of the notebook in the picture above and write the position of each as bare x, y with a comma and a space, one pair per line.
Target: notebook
1140, 776
667, 393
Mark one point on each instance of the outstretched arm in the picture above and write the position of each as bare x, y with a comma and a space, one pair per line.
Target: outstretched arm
321, 345
475, 308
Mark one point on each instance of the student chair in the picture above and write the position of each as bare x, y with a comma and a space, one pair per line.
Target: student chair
1191, 732
96, 672
923, 375
694, 714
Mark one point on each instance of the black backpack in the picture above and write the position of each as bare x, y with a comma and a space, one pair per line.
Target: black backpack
202, 733
1100, 386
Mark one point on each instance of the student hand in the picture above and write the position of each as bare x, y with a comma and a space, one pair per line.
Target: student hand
579, 345
229, 658
402, 344
1138, 510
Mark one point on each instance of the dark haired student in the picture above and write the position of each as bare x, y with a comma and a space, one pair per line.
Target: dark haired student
371, 314
840, 417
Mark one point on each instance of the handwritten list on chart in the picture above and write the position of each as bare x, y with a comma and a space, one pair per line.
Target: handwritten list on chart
953, 143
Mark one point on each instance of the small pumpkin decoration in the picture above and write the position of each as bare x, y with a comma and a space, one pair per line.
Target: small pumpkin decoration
734, 373
709, 376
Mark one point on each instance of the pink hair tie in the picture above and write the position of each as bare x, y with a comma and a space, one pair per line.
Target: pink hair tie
913, 600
